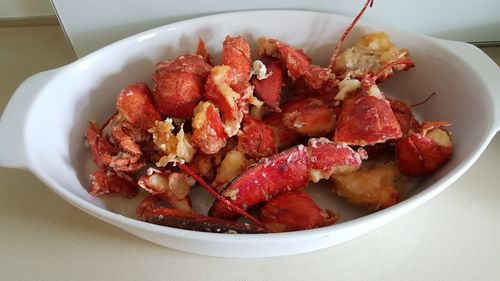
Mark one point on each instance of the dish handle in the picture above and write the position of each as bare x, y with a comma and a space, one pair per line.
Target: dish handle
13, 121
488, 70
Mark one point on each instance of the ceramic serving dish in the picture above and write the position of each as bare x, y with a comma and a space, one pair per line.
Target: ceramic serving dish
43, 126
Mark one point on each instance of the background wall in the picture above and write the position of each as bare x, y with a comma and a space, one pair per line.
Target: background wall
90, 24
10, 9
111, 20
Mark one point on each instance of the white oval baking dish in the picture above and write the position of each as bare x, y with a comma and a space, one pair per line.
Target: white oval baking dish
43, 125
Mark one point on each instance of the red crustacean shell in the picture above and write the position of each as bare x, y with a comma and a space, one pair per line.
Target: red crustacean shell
177, 93
299, 66
208, 130
202, 51
192, 221
269, 89
328, 158
99, 146
294, 210
288, 170
189, 63
105, 181
420, 154
236, 54
135, 103
405, 117
256, 139
171, 187
218, 90
366, 120
296, 61
283, 136
310, 116
178, 85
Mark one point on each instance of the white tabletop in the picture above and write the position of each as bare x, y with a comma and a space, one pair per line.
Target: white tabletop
455, 236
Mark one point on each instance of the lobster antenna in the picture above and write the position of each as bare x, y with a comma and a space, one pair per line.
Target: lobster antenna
390, 65
426, 100
220, 197
369, 3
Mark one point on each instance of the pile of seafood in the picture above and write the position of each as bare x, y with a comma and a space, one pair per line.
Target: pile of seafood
256, 131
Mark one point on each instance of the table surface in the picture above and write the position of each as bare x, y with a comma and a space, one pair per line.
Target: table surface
455, 236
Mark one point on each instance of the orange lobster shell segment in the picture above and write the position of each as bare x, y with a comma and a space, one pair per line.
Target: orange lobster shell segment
295, 210
423, 154
269, 89
176, 94
329, 158
366, 120
256, 139
218, 89
107, 181
135, 103
208, 130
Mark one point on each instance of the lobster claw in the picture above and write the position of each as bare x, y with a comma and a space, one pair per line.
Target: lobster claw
294, 210
423, 153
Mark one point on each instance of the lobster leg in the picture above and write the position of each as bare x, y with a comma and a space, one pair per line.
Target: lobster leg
189, 220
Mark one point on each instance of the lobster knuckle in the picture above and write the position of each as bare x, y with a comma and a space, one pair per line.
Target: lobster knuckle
136, 105
420, 155
269, 89
405, 117
282, 135
374, 189
309, 117
296, 61
287, 170
256, 139
328, 158
192, 221
236, 54
316, 77
127, 137
294, 210
107, 181
366, 120
208, 130
218, 90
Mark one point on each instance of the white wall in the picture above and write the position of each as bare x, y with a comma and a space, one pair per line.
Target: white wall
476, 20
25, 8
